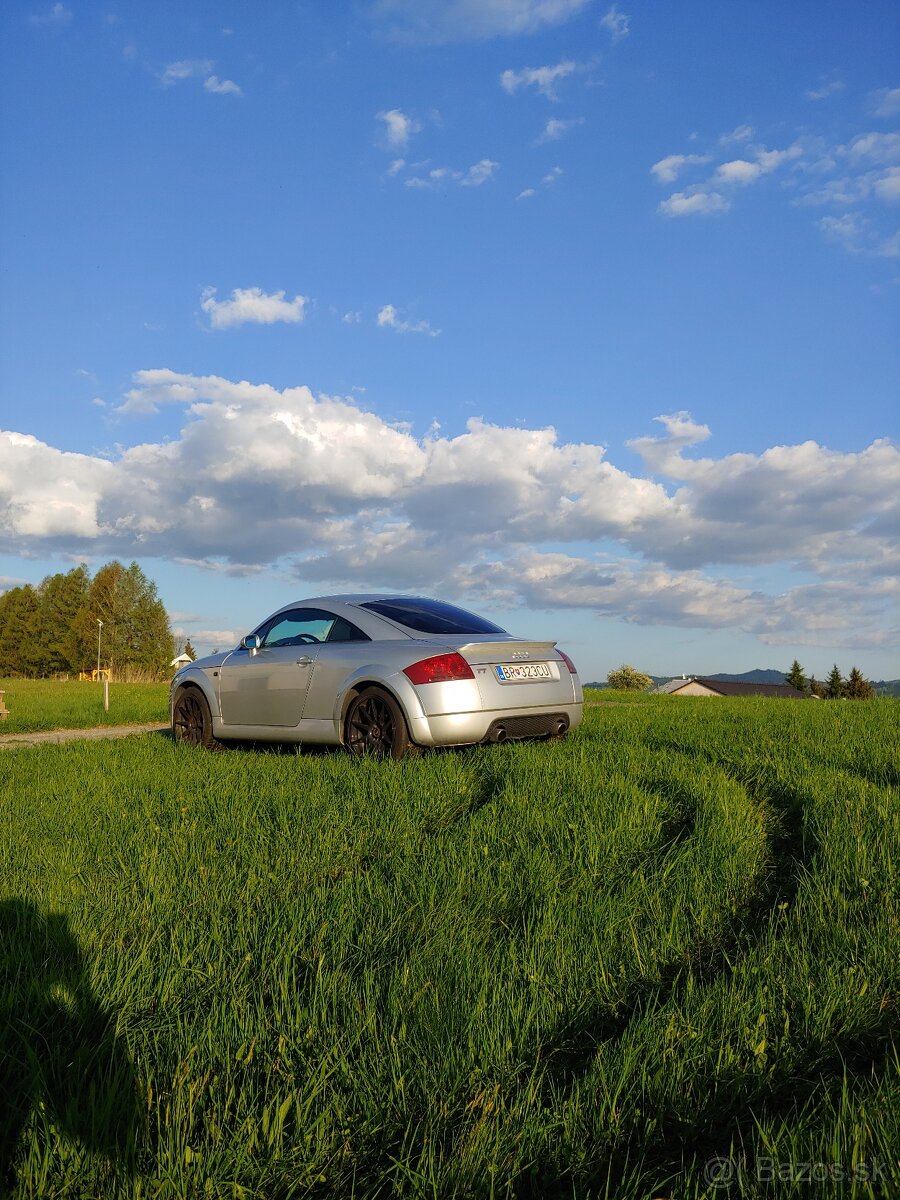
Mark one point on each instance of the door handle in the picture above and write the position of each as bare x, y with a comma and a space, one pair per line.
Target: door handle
304, 661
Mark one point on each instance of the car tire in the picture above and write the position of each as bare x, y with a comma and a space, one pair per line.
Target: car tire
374, 726
192, 721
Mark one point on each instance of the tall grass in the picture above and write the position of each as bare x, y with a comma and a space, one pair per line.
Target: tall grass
36, 704
577, 969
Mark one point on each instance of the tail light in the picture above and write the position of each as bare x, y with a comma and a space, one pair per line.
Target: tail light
573, 670
443, 668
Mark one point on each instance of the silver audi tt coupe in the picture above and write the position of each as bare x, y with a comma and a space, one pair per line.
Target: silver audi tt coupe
380, 675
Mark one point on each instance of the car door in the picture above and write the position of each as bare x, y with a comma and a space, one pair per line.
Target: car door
269, 688
341, 654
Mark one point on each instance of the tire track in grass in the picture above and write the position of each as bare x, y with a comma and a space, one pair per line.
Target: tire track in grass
729, 1120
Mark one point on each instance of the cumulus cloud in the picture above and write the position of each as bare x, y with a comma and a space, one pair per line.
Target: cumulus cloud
337, 494
475, 176
252, 306
470, 20
886, 102
555, 128
398, 128
197, 68
669, 168
742, 133
616, 23
187, 68
692, 204
479, 173
544, 79
388, 318
825, 89
222, 87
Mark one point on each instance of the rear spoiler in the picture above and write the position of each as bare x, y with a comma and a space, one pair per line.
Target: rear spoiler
506, 651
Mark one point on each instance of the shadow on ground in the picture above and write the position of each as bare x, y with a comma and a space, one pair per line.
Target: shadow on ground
60, 1060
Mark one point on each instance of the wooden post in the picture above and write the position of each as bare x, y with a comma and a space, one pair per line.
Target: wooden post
106, 693
4, 711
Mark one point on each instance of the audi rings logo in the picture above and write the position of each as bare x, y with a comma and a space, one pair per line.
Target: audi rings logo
720, 1172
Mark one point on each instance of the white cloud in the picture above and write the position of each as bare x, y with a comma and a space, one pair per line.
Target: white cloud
476, 175
826, 89
465, 20
55, 18
188, 68
259, 474
879, 147
886, 102
222, 87
479, 173
398, 128
668, 169
616, 23
552, 175
887, 187
691, 204
526, 194
388, 318
396, 167
253, 306
542, 78
742, 133
555, 128
738, 171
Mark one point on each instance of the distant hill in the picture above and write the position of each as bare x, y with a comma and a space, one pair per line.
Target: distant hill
884, 687
757, 676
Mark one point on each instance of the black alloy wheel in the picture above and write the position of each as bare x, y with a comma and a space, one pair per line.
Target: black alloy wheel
192, 720
374, 726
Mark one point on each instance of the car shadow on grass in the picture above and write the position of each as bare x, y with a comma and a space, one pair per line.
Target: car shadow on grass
63, 1072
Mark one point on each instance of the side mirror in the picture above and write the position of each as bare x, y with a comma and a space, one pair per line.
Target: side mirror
251, 642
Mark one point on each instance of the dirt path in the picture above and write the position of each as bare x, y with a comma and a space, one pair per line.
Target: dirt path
56, 736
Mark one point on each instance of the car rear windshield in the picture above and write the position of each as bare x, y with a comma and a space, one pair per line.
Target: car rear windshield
431, 616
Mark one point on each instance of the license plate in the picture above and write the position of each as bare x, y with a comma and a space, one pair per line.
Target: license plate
523, 672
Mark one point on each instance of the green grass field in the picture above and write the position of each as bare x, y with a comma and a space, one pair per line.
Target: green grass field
36, 704
555, 970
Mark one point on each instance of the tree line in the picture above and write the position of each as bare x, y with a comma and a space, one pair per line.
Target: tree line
53, 628
835, 687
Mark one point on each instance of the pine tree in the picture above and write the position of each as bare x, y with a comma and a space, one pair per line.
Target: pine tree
857, 686
834, 685
190, 651
19, 645
795, 677
816, 688
136, 630
61, 597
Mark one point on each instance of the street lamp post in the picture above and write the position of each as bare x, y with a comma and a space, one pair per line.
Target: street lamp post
99, 631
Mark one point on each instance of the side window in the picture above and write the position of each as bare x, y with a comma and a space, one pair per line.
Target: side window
343, 631
299, 627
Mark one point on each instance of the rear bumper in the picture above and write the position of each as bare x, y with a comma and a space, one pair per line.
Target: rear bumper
467, 728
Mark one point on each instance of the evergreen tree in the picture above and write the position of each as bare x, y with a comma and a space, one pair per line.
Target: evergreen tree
19, 646
190, 651
834, 685
795, 677
61, 597
136, 630
857, 686
816, 688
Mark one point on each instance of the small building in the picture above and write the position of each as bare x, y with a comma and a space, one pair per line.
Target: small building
180, 661
691, 686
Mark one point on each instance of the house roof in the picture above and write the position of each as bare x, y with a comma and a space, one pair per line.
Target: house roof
731, 687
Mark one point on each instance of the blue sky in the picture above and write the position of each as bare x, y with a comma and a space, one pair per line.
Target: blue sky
583, 315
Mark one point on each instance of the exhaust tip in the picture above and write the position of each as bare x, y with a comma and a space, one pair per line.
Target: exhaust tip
560, 727
500, 734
